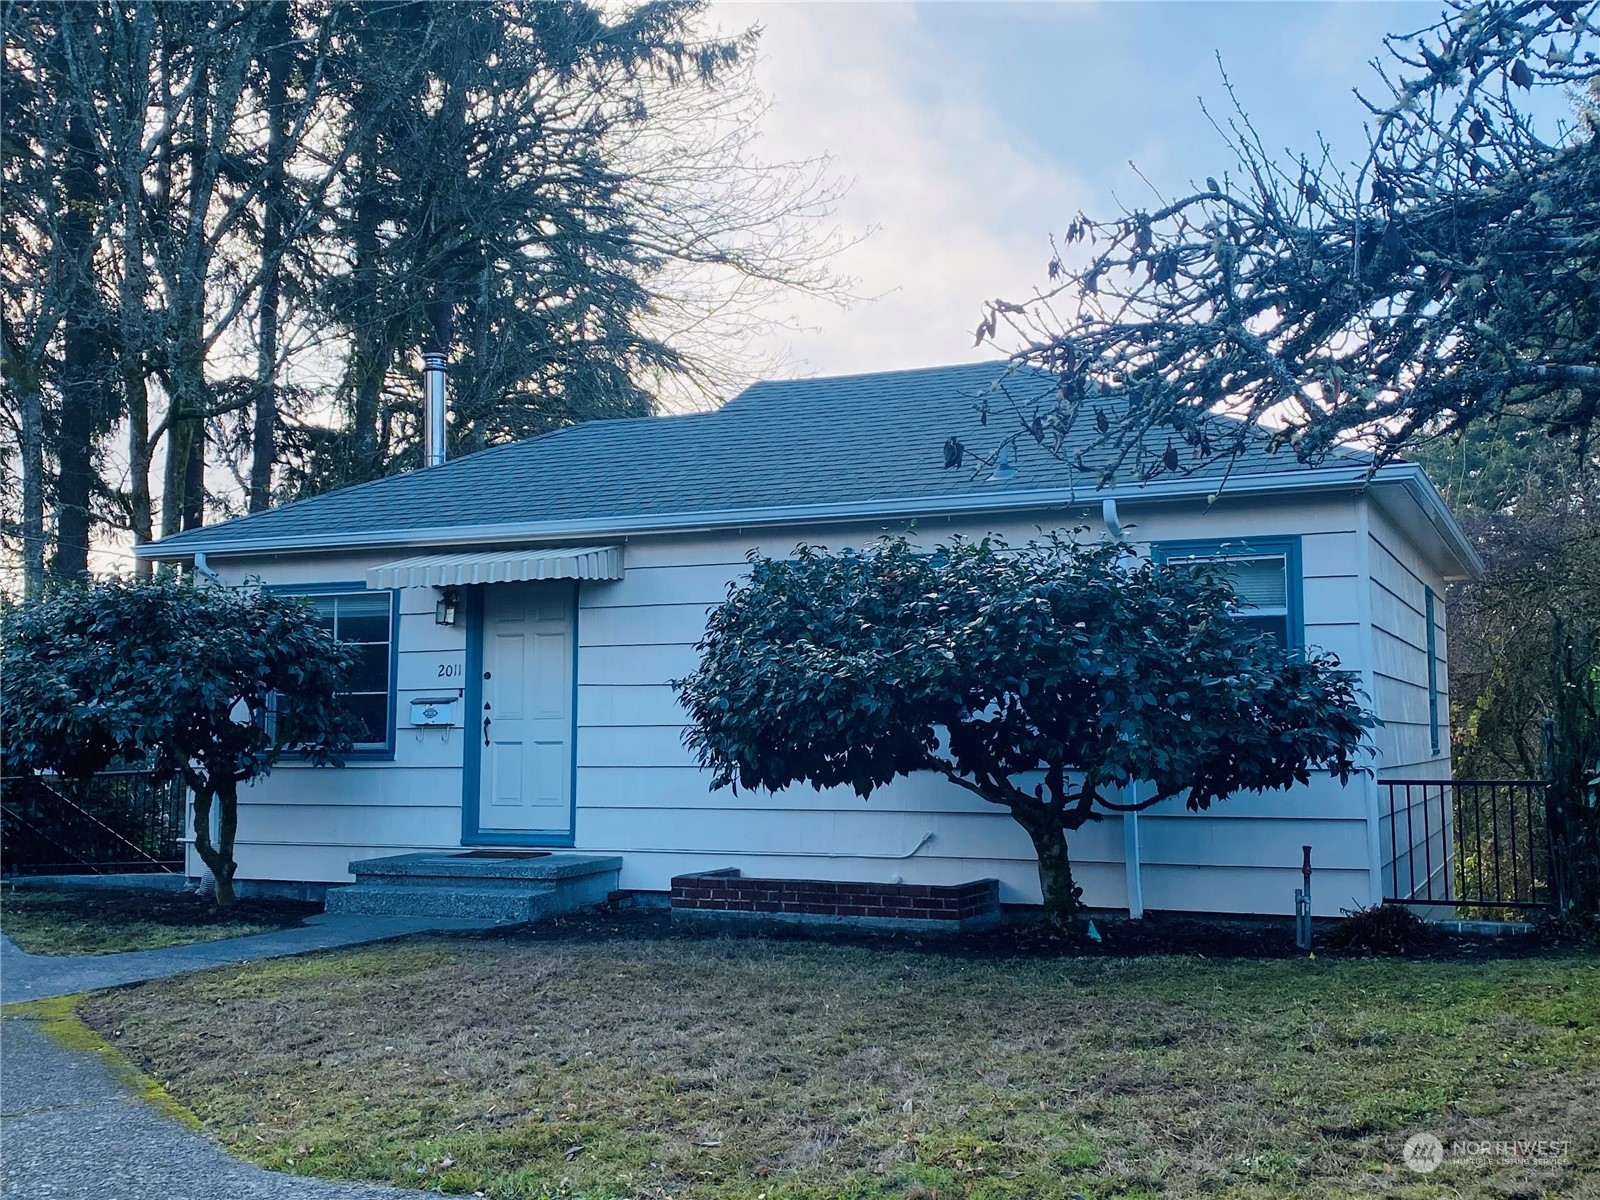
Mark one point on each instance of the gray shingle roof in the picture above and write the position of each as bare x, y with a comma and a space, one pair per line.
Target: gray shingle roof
855, 439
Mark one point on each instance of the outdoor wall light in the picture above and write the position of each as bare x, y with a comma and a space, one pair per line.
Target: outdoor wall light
444, 612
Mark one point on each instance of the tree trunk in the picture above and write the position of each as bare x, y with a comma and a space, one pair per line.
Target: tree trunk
82, 362
264, 416
32, 492
368, 359
187, 307
185, 442
1048, 830
219, 857
132, 327
194, 479
141, 515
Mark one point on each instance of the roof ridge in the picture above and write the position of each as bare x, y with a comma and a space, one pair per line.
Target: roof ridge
853, 375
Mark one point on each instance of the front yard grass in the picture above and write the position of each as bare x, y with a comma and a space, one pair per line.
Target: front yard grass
44, 921
611, 1058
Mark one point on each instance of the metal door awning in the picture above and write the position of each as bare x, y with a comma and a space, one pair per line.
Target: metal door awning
499, 566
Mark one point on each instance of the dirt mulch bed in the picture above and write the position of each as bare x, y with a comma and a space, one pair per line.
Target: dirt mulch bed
1208, 937
98, 921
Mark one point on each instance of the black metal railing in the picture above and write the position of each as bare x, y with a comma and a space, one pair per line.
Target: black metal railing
1478, 844
117, 821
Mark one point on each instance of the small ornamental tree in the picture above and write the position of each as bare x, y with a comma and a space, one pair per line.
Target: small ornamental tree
1043, 679
207, 683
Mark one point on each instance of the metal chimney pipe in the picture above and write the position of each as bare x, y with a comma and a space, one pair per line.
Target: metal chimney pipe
434, 371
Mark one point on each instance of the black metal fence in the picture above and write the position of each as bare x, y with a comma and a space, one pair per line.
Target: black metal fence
1477, 844
118, 821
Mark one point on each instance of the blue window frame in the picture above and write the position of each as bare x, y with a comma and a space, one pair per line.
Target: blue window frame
1429, 606
369, 621
1265, 572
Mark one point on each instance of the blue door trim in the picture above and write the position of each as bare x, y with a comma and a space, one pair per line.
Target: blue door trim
572, 743
472, 717
472, 760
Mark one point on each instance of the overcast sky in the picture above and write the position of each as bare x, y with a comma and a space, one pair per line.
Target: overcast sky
972, 131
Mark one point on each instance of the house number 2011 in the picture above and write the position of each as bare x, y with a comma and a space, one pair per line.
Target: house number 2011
451, 670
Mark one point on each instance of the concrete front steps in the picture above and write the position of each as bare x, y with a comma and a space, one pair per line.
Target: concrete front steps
512, 886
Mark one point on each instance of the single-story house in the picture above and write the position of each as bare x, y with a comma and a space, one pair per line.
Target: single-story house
521, 612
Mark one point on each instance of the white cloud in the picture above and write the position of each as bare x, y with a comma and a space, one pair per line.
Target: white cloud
961, 213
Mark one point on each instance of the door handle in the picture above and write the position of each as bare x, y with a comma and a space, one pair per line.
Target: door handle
486, 731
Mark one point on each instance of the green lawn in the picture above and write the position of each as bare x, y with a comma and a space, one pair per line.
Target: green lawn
619, 1061
105, 922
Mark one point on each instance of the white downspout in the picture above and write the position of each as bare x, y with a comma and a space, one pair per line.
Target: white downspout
1130, 854
1108, 513
202, 569
1130, 794
1369, 650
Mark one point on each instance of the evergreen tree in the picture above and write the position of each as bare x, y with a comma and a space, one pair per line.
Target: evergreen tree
232, 229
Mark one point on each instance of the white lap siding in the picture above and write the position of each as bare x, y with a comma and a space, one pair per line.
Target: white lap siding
641, 795
1415, 843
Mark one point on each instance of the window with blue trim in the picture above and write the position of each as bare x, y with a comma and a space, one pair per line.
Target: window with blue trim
365, 620
1265, 574
1433, 668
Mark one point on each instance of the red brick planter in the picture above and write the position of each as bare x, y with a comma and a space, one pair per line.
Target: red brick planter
726, 896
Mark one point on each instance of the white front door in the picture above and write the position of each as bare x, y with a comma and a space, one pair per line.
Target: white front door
525, 780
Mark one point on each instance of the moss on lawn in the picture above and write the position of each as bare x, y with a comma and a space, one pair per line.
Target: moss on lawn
97, 921
57, 1018
610, 1063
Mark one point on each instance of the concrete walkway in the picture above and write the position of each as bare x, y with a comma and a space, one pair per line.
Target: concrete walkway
39, 976
72, 1132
